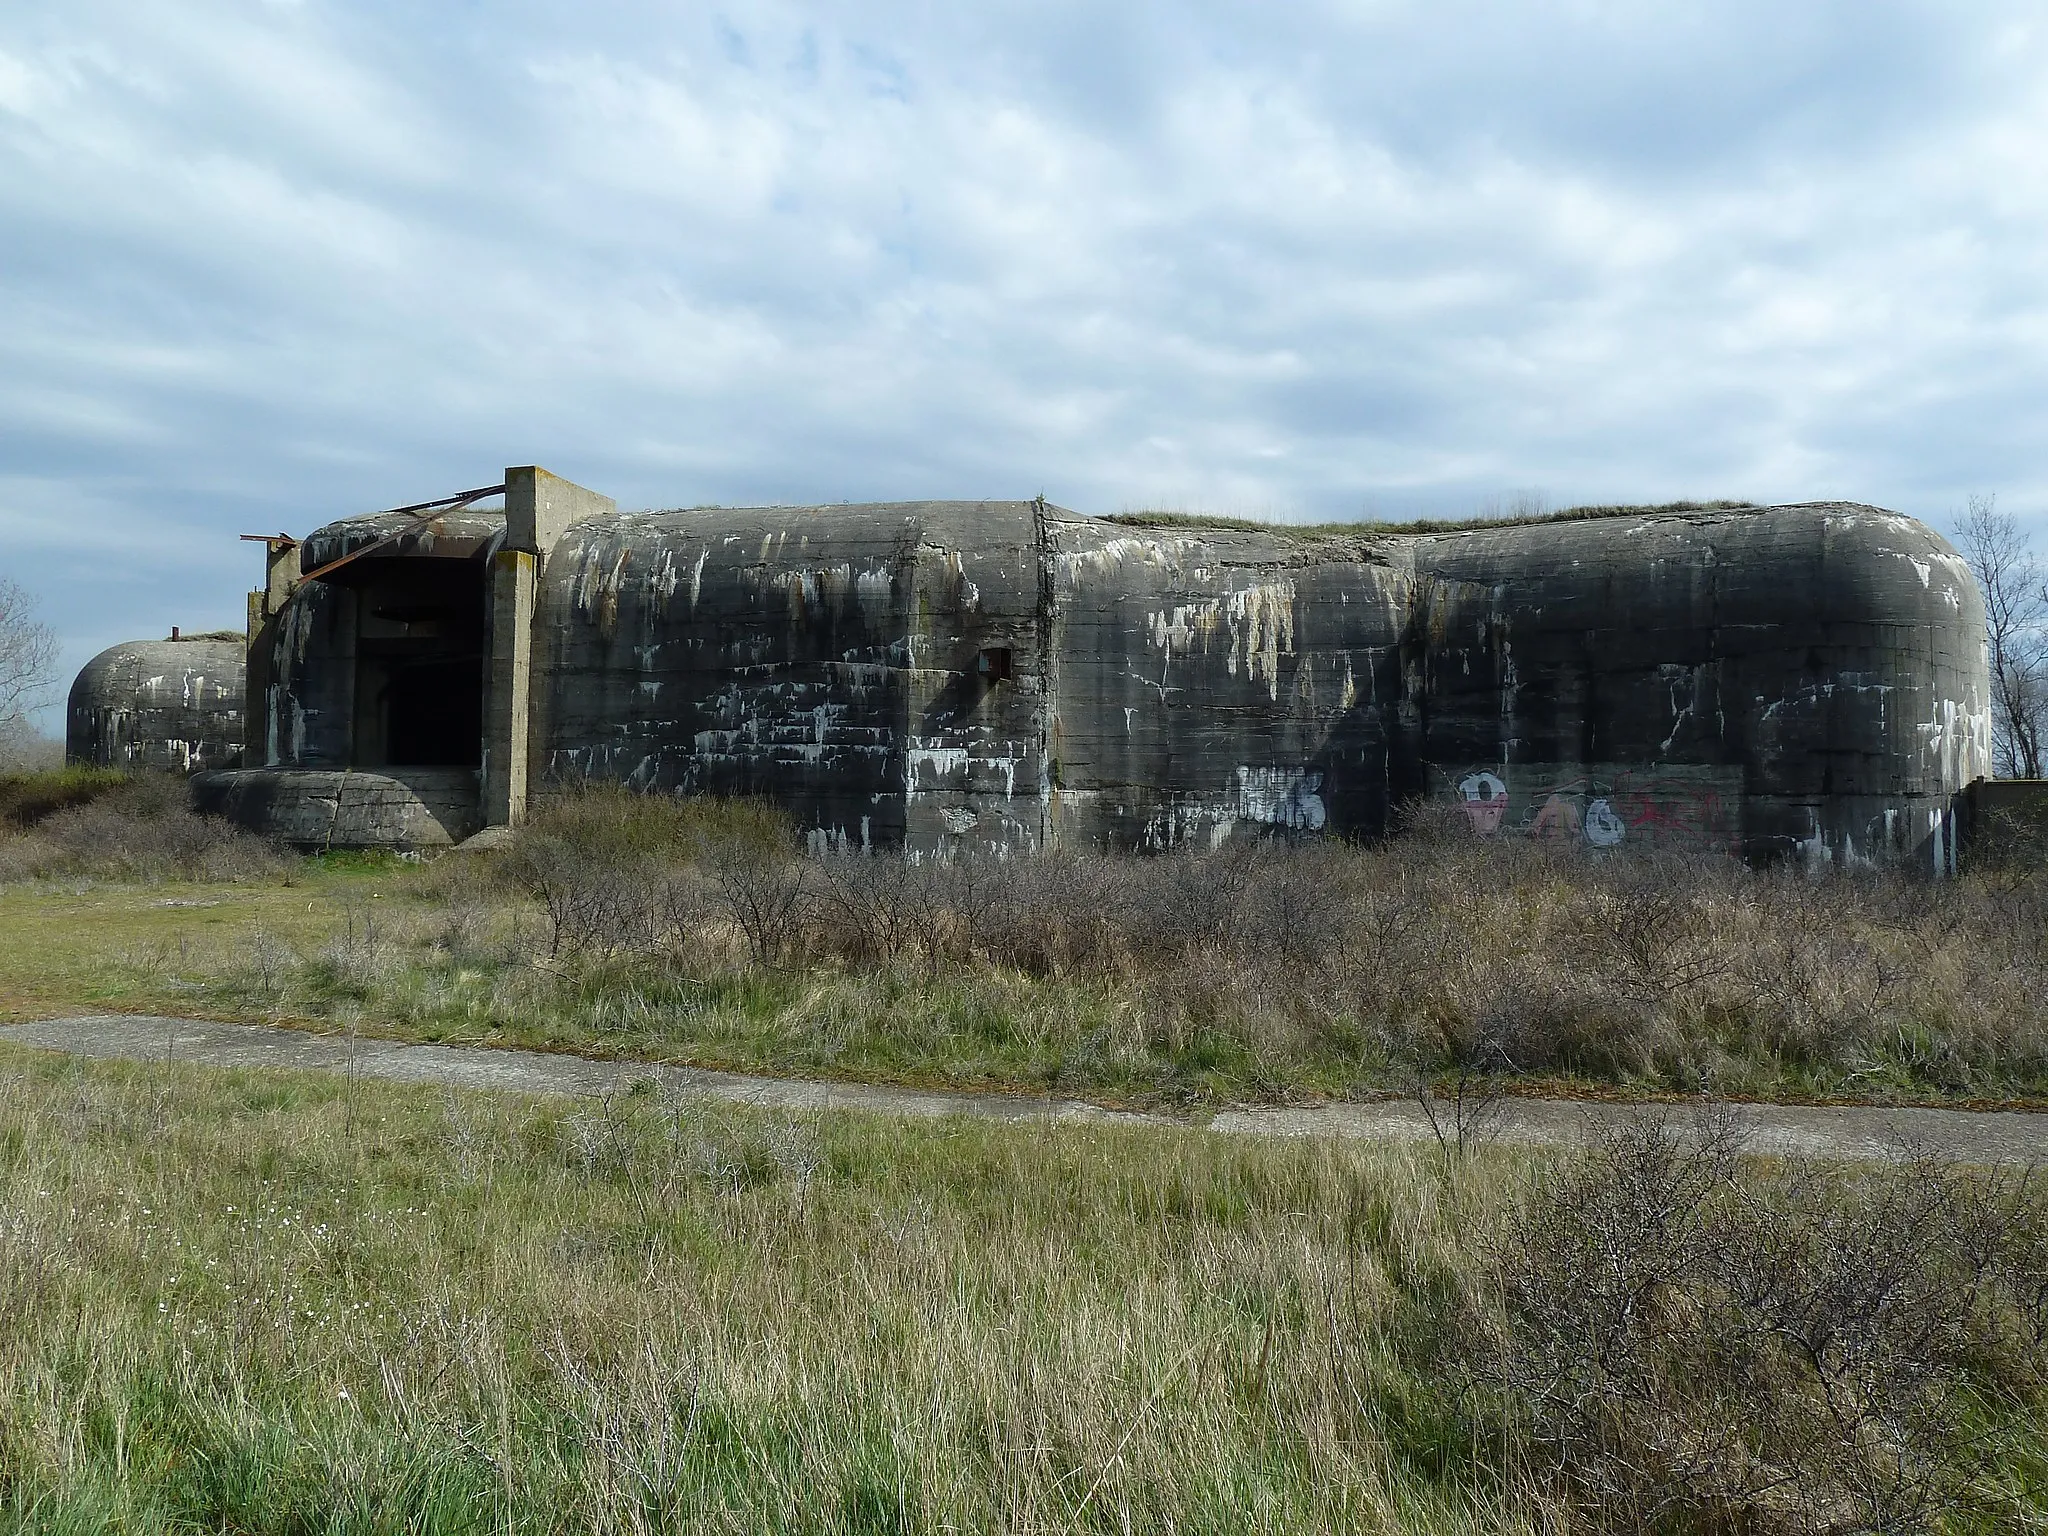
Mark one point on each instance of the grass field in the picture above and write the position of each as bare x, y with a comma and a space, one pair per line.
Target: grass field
273, 1303
286, 1304
80, 944
691, 932
281, 1304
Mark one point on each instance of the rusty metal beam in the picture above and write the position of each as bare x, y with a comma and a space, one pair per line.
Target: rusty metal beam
421, 511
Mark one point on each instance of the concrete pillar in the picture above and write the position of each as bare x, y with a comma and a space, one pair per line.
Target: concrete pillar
539, 508
280, 581
509, 688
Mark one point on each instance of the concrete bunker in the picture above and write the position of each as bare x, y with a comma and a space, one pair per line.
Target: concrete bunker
174, 705
1771, 681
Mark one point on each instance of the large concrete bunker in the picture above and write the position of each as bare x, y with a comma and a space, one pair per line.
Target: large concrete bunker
1802, 680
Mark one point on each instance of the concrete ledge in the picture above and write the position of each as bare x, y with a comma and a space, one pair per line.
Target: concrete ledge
345, 808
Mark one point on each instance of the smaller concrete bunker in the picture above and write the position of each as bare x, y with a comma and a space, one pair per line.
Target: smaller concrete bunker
172, 705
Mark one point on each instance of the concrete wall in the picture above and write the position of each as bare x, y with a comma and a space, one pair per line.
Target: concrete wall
829, 657
2003, 822
1808, 679
164, 704
1801, 680
1217, 682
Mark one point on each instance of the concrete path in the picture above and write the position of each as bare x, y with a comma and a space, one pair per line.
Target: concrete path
1843, 1132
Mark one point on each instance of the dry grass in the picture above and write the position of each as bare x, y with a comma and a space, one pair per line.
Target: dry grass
280, 1303
27, 797
694, 931
101, 825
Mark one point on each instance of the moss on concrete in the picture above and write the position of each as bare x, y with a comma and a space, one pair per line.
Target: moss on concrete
1371, 527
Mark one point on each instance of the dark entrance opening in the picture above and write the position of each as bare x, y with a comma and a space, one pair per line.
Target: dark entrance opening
419, 664
434, 712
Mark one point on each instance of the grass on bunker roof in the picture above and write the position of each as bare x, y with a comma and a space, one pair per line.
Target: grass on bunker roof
1373, 528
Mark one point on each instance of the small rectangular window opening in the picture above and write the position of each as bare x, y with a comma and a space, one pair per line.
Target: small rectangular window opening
994, 665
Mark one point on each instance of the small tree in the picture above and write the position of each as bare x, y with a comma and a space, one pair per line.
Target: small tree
28, 653
2002, 559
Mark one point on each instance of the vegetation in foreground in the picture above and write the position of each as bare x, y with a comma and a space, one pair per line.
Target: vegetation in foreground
278, 1303
694, 931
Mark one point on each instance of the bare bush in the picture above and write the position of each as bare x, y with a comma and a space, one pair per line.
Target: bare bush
136, 829
766, 895
1803, 1348
1431, 960
26, 750
882, 909
617, 872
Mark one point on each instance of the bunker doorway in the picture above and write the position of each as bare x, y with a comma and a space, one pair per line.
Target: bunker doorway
420, 664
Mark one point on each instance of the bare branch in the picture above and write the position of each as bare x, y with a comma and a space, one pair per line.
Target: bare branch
28, 653
2015, 589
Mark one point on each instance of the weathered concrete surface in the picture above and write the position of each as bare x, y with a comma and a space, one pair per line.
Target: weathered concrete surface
877, 669
164, 704
1807, 681
1789, 680
1213, 682
1794, 680
1781, 1130
335, 808
539, 509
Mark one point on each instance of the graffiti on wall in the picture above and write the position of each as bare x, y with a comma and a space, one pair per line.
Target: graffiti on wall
1280, 797
1605, 805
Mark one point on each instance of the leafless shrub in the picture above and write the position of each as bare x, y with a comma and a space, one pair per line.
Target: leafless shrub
1468, 1106
605, 866
1802, 1349
2011, 579
1646, 927
1684, 969
142, 829
880, 909
28, 653
25, 750
768, 898
267, 961
598, 900
1055, 914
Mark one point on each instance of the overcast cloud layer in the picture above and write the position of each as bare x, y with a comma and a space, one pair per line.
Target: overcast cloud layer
266, 263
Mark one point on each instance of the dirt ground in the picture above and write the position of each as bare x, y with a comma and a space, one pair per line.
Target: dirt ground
1860, 1132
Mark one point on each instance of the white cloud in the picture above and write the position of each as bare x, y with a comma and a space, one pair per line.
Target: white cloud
268, 264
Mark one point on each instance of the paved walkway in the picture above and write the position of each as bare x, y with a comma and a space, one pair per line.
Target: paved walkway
1849, 1132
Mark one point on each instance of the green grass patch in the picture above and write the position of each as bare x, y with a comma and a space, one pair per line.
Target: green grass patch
27, 798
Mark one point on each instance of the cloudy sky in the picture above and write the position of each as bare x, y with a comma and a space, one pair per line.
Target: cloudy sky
265, 263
